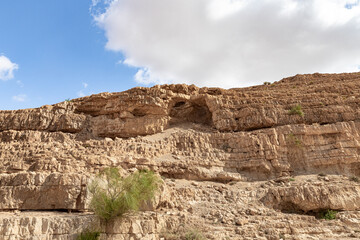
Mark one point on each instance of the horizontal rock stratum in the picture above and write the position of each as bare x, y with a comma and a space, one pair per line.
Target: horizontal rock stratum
253, 163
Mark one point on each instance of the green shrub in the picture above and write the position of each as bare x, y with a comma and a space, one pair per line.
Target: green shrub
328, 214
294, 140
88, 235
114, 195
193, 235
183, 233
291, 179
267, 83
296, 110
354, 179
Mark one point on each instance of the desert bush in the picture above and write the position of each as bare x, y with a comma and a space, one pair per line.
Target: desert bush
114, 195
328, 214
296, 110
183, 233
354, 179
294, 140
193, 235
88, 235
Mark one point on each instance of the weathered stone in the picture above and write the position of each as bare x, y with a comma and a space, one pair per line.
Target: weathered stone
305, 198
233, 161
42, 191
43, 225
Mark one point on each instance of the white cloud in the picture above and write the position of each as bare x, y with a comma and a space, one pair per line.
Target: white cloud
81, 93
20, 83
20, 98
7, 68
351, 4
231, 43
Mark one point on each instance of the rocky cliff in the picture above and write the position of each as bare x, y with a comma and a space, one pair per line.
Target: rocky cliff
254, 163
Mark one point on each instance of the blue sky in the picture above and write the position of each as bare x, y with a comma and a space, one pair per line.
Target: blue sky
52, 50
59, 50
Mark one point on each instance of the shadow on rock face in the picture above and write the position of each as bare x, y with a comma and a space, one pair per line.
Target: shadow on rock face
194, 111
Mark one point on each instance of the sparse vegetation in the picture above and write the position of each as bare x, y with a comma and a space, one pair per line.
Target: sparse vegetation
296, 110
291, 179
193, 235
86, 145
354, 179
114, 195
226, 146
68, 100
183, 233
88, 235
267, 83
328, 214
294, 140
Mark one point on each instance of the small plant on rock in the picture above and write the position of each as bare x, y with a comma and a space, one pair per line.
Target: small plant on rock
354, 179
296, 110
193, 235
114, 195
328, 214
294, 140
183, 233
88, 235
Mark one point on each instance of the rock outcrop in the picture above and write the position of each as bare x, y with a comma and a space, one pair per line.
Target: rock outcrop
237, 163
315, 196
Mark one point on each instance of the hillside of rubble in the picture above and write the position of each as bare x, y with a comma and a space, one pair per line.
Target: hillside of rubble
261, 162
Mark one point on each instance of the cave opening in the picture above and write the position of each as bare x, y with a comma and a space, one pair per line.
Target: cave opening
195, 111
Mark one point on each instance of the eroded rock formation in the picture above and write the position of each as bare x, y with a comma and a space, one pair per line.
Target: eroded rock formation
236, 163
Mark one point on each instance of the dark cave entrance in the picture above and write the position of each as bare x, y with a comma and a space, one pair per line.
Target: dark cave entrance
194, 111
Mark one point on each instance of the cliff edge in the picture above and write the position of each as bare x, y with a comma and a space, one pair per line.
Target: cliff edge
253, 163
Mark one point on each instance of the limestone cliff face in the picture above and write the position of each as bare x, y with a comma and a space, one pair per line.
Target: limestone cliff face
324, 99
227, 157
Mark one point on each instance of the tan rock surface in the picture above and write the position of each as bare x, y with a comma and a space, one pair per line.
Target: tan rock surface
42, 191
315, 196
226, 157
42, 225
324, 98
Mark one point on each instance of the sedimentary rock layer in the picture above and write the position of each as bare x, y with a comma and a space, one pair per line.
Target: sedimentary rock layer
236, 163
324, 99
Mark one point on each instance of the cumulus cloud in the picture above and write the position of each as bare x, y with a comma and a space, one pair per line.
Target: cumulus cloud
7, 68
20, 83
231, 43
20, 98
81, 93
